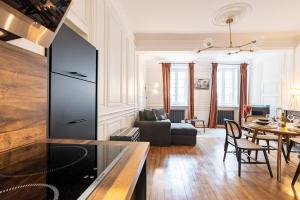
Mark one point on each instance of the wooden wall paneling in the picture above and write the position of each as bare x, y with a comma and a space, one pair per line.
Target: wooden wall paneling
23, 96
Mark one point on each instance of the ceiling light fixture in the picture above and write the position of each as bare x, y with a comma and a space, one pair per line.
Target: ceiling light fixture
233, 49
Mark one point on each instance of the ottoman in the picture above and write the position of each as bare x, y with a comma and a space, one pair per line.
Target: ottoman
183, 134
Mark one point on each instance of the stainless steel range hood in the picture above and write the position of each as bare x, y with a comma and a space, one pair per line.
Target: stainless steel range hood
35, 20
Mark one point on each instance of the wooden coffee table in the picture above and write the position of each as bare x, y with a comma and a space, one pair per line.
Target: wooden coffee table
194, 123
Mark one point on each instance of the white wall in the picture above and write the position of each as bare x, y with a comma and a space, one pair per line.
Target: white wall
154, 84
296, 72
118, 72
270, 77
202, 97
154, 91
141, 87
297, 67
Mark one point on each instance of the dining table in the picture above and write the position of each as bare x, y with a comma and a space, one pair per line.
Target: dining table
282, 132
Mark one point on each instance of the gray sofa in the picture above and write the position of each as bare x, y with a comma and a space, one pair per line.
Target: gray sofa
161, 132
183, 134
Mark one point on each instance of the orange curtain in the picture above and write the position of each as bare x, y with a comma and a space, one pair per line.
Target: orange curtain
166, 68
213, 111
191, 91
243, 90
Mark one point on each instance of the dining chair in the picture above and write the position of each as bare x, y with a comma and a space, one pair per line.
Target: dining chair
242, 145
293, 141
263, 136
296, 174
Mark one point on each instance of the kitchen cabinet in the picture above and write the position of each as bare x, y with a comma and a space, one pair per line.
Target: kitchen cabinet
73, 108
73, 56
73, 87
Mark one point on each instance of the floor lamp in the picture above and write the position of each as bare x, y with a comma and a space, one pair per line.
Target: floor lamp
295, 93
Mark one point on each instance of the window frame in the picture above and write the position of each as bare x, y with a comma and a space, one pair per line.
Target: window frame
179, 68
234, 85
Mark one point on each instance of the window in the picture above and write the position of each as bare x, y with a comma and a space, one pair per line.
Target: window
179, 85
227, 85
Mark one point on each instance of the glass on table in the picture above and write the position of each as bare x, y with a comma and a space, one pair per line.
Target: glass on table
291, 118
276, 118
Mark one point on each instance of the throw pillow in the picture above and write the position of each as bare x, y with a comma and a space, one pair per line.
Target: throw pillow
159, 113
149, 115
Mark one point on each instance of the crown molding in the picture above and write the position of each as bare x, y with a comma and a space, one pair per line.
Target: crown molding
190, 42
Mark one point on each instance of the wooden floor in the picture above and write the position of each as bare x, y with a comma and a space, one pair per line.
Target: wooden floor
198, 172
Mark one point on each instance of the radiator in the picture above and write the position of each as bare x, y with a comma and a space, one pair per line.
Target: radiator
224, 114
177, 115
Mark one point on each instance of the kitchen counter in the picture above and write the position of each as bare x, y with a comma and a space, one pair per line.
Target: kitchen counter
125, 181
121, 182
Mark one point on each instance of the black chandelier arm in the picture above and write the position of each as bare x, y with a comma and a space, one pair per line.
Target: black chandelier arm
247, 50
243, 45
228, 47
212, 47
205, 49
218, 47
230, 35
229, 22
240, 50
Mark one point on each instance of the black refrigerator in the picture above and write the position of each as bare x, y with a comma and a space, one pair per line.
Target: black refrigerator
72, 87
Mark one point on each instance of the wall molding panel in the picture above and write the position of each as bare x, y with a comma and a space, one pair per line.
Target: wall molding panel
114, 61
78, 16
117, 72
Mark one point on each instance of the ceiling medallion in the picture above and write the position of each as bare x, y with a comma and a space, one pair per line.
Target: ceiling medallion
226, 16
237, 11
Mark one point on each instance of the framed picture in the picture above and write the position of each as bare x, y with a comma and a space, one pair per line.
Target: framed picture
202, 84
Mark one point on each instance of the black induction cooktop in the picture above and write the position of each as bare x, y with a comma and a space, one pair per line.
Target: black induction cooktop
55, 171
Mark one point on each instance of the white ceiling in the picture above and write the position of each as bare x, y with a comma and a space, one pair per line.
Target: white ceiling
194, 16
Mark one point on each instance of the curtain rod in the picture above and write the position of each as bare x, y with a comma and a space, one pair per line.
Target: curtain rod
211, 63
179, 63
229, 63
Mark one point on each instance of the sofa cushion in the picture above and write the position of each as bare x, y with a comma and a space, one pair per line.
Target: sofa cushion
149, 115
160, 114
183, 129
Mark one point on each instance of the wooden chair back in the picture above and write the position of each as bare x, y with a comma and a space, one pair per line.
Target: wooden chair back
233, 129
